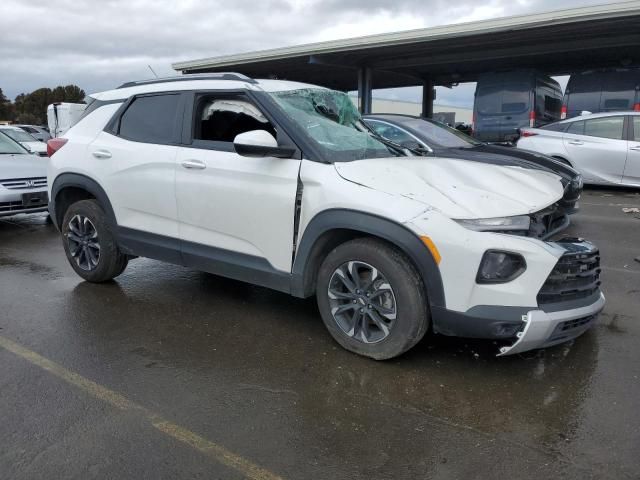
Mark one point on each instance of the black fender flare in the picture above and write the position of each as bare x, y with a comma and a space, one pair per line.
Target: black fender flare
77, 180
395, 233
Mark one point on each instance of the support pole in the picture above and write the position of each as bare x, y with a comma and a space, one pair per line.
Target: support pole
365, 87
428, 95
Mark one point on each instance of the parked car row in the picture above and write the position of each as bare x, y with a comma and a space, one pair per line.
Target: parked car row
395, 231
32, 144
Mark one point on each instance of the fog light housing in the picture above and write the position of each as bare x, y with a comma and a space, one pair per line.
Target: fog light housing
500, 267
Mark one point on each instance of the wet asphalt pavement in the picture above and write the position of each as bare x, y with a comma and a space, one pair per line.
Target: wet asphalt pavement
254, 372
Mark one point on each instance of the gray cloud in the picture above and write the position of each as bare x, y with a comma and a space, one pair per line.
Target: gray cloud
99, 44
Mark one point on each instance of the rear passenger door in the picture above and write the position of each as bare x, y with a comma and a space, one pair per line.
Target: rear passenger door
597, 148
632, 170
134, 158
236, 213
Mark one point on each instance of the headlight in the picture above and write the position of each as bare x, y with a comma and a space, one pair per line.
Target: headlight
521, 222
500, 267
577, 183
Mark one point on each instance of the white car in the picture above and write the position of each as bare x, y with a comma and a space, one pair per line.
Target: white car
29, 142
604, 147
279, 184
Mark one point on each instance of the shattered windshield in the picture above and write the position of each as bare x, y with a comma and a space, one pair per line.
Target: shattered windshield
331, 119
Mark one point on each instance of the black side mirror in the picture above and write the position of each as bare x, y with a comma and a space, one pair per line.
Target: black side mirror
260, 143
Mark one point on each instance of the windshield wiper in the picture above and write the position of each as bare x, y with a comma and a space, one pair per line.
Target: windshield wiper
417, 151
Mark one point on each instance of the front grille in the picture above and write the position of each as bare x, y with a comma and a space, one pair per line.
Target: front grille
21, 183
570, 328
575, 276
17, 207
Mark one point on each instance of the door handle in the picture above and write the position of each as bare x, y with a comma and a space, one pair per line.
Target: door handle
576, 142
635, 149
194, 165
102, 154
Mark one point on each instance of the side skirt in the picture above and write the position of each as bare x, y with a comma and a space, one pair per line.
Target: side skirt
226, 263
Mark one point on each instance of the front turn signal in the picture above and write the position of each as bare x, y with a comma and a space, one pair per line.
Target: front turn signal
432, 248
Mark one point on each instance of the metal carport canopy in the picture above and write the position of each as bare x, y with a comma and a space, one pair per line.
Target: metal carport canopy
558, 42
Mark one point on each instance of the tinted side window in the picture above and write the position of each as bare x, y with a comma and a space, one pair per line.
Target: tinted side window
636, 129
151, 119
577, 128
608, 127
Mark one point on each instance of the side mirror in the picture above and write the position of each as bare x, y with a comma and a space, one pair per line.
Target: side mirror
260, 143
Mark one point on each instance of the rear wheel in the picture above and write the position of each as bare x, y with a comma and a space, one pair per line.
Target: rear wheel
90, 243
371, 299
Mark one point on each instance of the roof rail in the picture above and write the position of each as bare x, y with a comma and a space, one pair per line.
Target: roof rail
192, 76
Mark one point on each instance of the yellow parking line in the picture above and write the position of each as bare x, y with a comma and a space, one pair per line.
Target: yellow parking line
213, 450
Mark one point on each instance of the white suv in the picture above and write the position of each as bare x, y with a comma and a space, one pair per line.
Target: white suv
280, 184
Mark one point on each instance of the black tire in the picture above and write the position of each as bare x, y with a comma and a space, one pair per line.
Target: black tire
407, 296
109, 262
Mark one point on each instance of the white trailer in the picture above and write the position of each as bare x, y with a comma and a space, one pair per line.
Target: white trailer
62, 116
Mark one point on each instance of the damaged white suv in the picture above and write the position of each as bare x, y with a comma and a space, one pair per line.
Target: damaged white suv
280, 184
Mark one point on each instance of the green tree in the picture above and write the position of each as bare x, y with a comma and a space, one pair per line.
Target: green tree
33, 106
6, 107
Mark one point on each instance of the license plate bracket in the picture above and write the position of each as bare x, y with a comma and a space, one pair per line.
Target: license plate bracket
34, 199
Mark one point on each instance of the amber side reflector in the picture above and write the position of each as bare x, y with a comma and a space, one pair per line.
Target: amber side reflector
432, 248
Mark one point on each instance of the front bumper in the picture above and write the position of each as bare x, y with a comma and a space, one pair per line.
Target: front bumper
545, 329
12, 202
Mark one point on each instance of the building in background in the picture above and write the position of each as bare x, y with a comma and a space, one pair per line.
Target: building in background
443, 113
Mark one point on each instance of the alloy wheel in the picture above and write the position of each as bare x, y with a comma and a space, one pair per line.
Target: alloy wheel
362, 302
82, 239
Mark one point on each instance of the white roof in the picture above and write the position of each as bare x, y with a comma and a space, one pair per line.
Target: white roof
200, 84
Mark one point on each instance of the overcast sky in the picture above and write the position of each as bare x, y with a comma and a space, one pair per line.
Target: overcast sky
101, 43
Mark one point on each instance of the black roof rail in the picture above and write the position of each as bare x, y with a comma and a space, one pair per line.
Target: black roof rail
192, 76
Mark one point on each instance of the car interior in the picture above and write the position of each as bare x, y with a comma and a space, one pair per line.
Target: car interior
221, 119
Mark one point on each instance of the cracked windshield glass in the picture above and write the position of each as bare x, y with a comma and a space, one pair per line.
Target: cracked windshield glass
332, 120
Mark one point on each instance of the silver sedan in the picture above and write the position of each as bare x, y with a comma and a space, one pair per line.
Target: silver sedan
604, 147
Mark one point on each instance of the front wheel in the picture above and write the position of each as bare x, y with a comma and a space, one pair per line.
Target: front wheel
90, 243
372, 299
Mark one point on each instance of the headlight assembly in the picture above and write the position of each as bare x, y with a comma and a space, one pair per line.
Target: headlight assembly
521, 222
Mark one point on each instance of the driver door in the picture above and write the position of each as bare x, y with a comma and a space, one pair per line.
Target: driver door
235, 213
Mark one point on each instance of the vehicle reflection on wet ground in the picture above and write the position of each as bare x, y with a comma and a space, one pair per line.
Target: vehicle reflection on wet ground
255, 371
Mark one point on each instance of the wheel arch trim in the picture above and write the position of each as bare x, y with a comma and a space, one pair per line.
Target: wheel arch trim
370, 224
76, 180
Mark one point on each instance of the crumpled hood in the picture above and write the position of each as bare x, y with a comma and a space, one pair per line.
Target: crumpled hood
22, 166
458, 188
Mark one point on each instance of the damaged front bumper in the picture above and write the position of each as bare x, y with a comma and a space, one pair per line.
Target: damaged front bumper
545, 329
